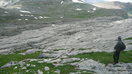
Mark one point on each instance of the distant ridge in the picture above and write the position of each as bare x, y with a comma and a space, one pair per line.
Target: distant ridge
116, 5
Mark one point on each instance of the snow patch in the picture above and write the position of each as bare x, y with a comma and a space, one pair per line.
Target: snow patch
94, 9
88, 11
62, 2
47, 17
78, 1
19, 19
26, 19
21, 15
78, 9
41, 17
35, 18
23, 11
62, 17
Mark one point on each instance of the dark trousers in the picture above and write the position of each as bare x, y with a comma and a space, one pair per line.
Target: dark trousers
116, 56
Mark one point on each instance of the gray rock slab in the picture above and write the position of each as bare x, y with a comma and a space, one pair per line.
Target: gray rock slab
96, 33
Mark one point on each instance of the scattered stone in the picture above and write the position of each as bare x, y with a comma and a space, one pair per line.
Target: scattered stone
47, 55
12, 63
30, 51
27, 70
46, 68
64, 56
73, 73
40, 61
24, 68
21, 63
99, 68
47, 60
33, 65
57, 71
15, 67
70, 60
40, 72
31, 60
56, 60
42, 55
27, 65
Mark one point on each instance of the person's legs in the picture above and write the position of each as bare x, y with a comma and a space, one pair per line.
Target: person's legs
116, 56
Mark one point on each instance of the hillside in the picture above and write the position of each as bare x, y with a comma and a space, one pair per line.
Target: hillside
116, 5
62, 37
31, 14
93, 33
78, 47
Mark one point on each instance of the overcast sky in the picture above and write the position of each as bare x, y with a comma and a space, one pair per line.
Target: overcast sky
93, 1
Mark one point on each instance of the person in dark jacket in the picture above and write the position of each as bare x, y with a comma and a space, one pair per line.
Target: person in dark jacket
120, 46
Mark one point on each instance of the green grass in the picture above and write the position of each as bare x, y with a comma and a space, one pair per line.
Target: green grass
130, 38
102, 57
100, 13
130, 43
16, 57
21, 51
106, 58
86, 72
32, 70
84, 48
64, 69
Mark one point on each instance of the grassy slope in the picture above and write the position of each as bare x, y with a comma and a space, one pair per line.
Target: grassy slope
16, 57
65, 69
106, 58
130, 38
103, 57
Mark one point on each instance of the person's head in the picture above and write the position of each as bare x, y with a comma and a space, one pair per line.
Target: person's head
119, 38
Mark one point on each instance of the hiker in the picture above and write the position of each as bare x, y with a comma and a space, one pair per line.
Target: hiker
120, 46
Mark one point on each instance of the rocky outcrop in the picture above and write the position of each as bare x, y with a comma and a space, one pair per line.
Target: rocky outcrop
97, 34
99, 68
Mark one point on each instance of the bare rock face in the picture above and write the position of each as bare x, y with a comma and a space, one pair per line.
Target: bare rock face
98, 34
99, 68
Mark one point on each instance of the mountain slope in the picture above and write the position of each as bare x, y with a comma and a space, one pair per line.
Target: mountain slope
115, 5
58, 9
99, 33
32, 14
